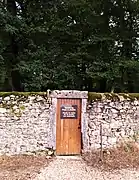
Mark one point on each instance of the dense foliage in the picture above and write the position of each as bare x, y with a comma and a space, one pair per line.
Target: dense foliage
77, 44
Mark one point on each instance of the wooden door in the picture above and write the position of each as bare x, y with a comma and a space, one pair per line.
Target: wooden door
68, 127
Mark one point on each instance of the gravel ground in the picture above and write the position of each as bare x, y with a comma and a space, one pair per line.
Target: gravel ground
74, 168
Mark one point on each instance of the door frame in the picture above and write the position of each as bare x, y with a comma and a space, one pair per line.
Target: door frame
73, 94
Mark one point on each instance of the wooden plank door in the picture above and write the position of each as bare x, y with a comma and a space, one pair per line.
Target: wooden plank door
68, 127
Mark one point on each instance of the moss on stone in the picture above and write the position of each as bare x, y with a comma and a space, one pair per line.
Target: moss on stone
16, 112
91, 95
15, 101
94, 96
112, 96
22, 107
134, 95
4, 94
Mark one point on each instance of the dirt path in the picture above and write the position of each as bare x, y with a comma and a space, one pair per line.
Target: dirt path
20, 167
71, 168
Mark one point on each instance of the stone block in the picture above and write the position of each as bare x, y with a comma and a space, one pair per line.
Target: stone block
112, 140
2, 110
7, 98
23, 148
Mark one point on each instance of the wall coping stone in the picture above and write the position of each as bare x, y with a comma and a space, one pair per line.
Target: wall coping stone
69, 94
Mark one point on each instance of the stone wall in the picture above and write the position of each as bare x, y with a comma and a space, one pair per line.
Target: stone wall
28, 120
24, 123
119, 118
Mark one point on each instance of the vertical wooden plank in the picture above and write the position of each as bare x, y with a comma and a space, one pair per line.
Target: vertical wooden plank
61, 134
58, 129
79, 127
74, 132
65, 131
61, 129
71, 134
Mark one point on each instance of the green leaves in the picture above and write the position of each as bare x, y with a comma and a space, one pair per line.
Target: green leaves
78, 44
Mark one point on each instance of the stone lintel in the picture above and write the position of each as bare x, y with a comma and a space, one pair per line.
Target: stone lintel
69, 94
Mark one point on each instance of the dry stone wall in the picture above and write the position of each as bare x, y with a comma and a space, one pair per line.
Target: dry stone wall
28, 120
24, 123
119, 119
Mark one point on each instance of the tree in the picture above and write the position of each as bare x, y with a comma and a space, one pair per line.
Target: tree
77, 44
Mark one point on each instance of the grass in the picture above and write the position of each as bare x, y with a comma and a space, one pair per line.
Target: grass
124, 156
21, 167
